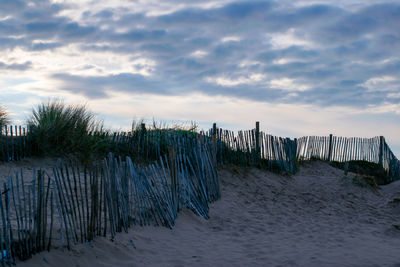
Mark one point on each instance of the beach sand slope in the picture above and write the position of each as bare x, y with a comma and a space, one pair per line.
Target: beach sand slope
314, 218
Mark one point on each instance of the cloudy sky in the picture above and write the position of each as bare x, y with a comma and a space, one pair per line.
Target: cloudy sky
298, 67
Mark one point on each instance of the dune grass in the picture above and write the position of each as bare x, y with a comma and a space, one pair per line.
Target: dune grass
184, 127
59, 129
4, 116
364, 168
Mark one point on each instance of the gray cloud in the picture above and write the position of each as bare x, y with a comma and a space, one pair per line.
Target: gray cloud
340, 48
15, 66
100, 86
45, 46
11, 6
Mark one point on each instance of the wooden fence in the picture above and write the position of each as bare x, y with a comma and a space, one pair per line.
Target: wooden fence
146, 145
250, 148
344, 149
341, 149
13, 143
256, 148
75, 204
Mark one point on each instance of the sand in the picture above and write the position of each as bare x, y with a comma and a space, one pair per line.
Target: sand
314, 218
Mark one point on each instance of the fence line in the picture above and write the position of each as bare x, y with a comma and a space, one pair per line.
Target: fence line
252, 147
13, 143
257, 148
79, 203
343, 149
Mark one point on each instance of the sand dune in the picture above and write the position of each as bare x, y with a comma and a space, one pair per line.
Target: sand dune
315, 218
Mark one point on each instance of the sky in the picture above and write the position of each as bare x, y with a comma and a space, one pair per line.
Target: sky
299, 67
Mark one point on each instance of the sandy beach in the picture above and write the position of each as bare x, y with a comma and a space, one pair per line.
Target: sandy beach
314, 218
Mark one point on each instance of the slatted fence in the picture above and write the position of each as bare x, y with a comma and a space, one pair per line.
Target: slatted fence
75, 204
255, 148
344, 149
340, 149
13, 143
248, 148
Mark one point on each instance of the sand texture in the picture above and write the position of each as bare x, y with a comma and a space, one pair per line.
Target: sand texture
314, 218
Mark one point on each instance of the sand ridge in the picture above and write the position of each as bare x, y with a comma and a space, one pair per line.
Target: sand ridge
314, 218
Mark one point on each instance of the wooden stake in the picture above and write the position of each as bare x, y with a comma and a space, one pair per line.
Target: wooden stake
381, 148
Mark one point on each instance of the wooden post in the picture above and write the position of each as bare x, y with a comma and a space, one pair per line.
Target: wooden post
172, 165
142, 133
7, 148
258, 150
214, 140
143, 145
1, 146
12, 144
214, 132
330, 147
40, 209
346, 168
381, 147
43, 209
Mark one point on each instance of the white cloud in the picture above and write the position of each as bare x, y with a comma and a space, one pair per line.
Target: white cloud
247, 63
5, 18
230, 39
287, 84
351, 5
393, 95
287, 39
199, 53
150, 8
71, 60
229, 82
283, 61
384, 108
382, 83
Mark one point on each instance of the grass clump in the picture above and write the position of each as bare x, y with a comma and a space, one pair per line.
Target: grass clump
57, 129
4, 117
4, 120
363, 181
364, 168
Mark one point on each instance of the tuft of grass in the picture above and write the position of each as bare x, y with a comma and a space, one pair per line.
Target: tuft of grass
183, 127
364, 168
364, 181
4, 117
137, 125
57, 129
